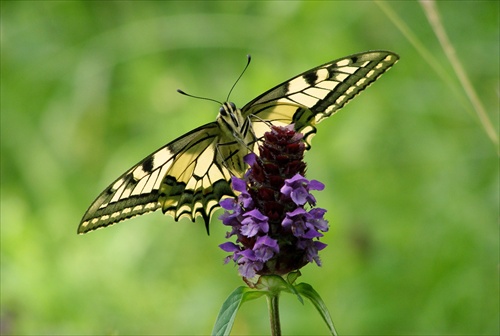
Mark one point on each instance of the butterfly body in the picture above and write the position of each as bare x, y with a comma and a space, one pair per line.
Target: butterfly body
188, 176
236, 137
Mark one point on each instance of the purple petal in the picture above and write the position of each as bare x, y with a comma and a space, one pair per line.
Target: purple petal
297, 178
311, 199
250, 159
317, 219
249, 229
286, 190
311, 233
254, 223
299, 196
256, 214
316, 185
297, 212
267, 241
230, 247
291, 184
238, 184
247, 254
265, 248
248, 269
312, 248
295, 221
317, 213
228, 204
319, 245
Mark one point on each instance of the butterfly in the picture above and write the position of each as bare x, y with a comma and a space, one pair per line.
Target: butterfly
190, 175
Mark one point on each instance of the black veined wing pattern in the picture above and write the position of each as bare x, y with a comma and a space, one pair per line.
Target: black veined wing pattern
188, 176
314, 95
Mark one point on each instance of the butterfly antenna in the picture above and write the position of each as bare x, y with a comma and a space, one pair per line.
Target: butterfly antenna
197, 97
249, 58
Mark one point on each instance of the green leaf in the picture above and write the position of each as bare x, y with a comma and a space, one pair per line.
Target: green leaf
227, 313
292, 276
307, 291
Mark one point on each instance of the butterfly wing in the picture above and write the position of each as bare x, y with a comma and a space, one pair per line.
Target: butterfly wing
186, 177
189, 176
316, 94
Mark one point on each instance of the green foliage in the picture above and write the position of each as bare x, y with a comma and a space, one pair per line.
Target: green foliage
88, 89
309, 292
271, 286
227, 314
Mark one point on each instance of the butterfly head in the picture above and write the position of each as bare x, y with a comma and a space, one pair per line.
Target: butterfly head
230, 119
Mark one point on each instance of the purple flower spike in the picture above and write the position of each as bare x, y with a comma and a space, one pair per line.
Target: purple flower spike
275, 234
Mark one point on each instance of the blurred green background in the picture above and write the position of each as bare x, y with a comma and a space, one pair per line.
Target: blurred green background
88, 89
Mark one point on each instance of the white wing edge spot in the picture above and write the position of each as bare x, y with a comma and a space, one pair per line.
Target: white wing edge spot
150, 206
330, 108
361, 82
340, 100
390, 58
370, 73
350, 90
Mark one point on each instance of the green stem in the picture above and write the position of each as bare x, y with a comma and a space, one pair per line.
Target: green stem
274, 313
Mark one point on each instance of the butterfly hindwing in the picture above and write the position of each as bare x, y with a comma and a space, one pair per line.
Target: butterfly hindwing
310, 97
189, 176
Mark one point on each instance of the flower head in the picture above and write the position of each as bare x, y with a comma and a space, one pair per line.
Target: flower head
274, 220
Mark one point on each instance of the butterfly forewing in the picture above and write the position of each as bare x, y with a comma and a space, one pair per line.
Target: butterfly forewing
188, 176
316, 94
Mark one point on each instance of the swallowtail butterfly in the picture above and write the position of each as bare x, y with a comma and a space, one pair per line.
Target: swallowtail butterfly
188, 176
